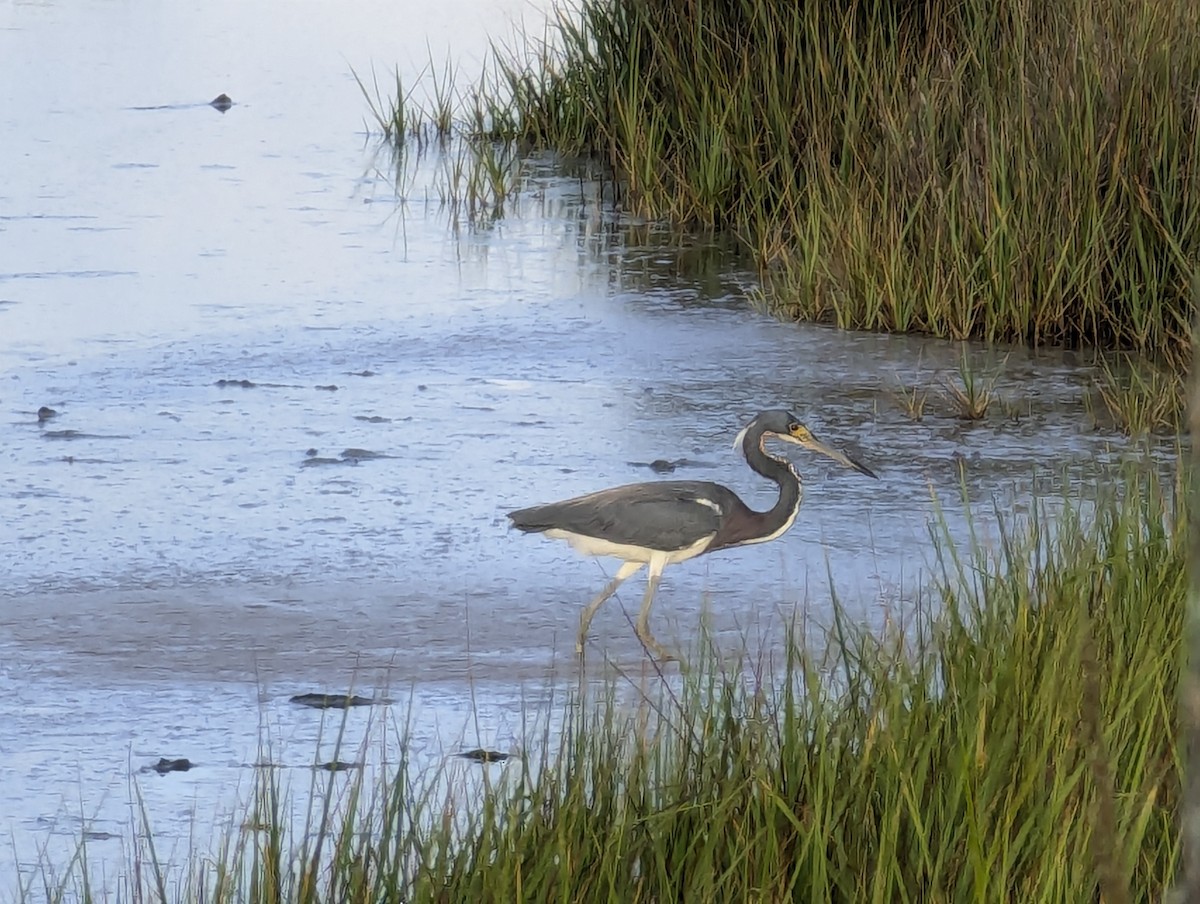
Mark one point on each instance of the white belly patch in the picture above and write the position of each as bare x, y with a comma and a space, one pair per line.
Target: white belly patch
594, 546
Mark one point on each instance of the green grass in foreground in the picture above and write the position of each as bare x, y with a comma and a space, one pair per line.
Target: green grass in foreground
992, 169
1019, 746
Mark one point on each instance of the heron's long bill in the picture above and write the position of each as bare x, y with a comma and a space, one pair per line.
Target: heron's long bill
836, 454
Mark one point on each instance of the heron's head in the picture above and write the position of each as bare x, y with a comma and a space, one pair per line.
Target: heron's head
785, 426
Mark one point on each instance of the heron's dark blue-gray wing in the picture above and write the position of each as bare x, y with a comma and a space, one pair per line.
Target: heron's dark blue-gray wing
665, 515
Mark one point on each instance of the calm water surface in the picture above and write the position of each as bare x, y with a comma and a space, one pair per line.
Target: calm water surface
181, 556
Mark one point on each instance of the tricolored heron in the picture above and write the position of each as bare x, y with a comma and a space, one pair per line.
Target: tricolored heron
664, 522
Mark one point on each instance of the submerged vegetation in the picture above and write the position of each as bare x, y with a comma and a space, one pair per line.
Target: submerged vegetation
1014, 739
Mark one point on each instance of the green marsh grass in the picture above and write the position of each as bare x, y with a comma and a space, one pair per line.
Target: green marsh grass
1014, 739
1142, 397
972, 393
422, 113
911, 399
1002, 170
473, 177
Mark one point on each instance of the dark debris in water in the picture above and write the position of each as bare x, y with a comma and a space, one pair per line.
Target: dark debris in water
335, 701
361, 373
250, 384
337, 766
373, 419
479, 755
348, 457
90, 835
221, 102
664, 466
164, 765
362, 454
331, 387
45, 413
78, 434
313, 460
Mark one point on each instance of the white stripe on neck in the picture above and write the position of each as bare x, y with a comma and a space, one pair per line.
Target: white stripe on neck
791, 518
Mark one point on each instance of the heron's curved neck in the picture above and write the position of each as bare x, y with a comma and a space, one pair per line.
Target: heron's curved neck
774, 522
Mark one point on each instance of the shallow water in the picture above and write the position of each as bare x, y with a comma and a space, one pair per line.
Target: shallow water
181, 556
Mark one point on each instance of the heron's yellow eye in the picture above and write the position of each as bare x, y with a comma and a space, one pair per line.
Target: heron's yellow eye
798, 430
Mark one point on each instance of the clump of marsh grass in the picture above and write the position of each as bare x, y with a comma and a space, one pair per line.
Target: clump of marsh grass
911, 399
474, 174
972, 393
403, 117
1017, 741
992, 170
1142, 397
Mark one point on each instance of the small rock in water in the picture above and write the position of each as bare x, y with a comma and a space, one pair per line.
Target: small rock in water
479, 755
90, 835
348, 457
45, 413
333, 701
666, 466
337, 766
361, 454
221, 102
660, 465
314, 460
164, 765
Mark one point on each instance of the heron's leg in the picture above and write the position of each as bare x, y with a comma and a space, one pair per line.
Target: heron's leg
627, 570
643, 622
